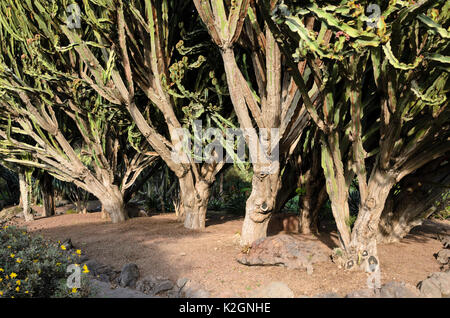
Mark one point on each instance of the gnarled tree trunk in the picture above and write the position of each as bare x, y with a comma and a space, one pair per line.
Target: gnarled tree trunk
25, 197
260, 206
310, 205
194, 201
363, 244
48, 195
112, 202
421, 194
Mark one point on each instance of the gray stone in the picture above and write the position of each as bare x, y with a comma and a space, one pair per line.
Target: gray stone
197, 293
284, 250
273, 290
445, 240
363, 293
192, 289
437, 285
129, 275
398, 290
104, 290
154, 285
181, 282
443, 256
163, 286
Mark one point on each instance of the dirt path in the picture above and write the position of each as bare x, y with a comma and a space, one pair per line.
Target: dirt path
160, 245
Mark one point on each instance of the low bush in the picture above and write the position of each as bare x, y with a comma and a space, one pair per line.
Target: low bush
33, 267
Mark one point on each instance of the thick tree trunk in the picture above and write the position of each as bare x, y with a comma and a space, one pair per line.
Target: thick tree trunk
48, 195
81, 207
310, 205
25, 197
194, 201
260, 206
112, 203
363, 245
421, 194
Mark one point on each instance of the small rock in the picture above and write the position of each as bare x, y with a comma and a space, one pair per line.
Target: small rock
103, 290
445, 240
129, 275
363, 293
437, 285
193, 290
183, 254
181, 282
154, 285
273, 290
443, 256
198, 293
398, 290
163, 286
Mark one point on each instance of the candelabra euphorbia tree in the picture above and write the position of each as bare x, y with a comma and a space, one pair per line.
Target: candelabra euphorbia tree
52, 120
132, 53
389, 80
265, 96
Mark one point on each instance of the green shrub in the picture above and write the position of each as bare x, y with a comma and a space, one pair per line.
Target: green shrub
33, 267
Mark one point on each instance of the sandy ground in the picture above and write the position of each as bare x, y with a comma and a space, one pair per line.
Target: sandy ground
160, 245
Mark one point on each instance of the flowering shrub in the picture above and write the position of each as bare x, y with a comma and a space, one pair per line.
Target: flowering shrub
33, 267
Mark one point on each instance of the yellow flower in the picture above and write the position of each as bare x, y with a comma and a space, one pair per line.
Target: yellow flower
79, 252
85, 269
19, 260
58, 264
12, 255
2, 270
18, 282
63, 247
1, 280
1, 293
26, 292
9, 246
35, 261
18, 288
13, 275
74, 290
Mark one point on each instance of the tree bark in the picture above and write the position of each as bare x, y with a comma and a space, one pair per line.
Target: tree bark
48, 195
420, 195
194, 201
112, 203
311, 203
25, 197
363, 243
260, 206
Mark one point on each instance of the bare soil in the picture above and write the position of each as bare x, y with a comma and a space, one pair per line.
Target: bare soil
160, 245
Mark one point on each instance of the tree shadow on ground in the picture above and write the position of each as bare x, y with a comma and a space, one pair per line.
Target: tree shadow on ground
139, 240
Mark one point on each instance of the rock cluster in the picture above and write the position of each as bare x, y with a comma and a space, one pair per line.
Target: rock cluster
443, 256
